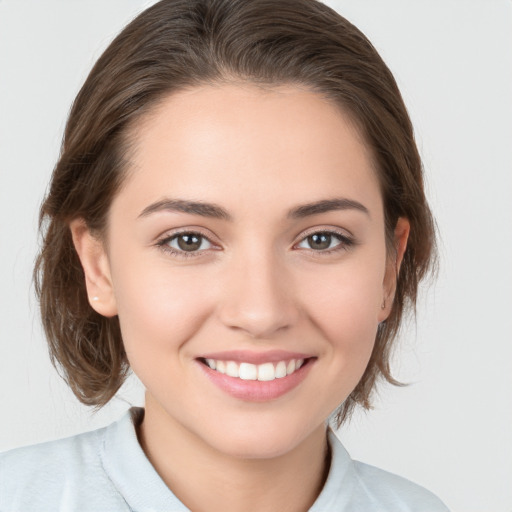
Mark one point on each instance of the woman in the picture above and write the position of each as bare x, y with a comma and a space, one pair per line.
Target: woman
238, 216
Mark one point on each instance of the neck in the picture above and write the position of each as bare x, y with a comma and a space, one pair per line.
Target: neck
204, 479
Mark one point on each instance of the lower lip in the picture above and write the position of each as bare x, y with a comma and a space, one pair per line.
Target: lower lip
255, 390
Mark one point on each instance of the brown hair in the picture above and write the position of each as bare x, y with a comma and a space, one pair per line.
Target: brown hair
182, 43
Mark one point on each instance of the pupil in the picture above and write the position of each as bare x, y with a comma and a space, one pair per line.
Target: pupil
189, 242
319, 241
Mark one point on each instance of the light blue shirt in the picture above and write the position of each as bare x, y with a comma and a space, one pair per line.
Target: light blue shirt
106, 470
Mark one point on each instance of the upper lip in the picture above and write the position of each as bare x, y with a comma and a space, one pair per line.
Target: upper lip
246, 356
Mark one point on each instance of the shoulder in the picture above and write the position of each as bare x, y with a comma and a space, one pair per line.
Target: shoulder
353, 486
56, 475
394, 491
59, 455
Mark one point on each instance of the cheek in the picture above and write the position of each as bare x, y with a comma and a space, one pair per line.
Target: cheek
159, 309
344, 304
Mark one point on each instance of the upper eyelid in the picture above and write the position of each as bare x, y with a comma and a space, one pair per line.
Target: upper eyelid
332, 230
167, 236
303, 234
344, 239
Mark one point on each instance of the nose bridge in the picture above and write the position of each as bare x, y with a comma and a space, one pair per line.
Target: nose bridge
257, 297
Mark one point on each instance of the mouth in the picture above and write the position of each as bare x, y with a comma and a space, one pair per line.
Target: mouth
256, 379
264, 372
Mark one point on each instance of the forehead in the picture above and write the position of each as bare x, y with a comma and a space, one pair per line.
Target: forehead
276, 146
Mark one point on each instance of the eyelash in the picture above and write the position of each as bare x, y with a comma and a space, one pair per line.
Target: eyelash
163, 244
346, 243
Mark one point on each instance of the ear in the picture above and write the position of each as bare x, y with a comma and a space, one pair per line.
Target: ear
95, 263
401, 236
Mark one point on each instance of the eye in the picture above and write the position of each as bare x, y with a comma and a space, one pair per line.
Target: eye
186, 242
325, 241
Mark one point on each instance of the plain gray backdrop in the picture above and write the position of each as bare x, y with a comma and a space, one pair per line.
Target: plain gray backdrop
450, 430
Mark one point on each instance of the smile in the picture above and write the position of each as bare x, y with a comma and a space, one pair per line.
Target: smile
256, 377
262, 372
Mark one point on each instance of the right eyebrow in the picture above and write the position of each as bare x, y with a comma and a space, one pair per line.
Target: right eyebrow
193, 207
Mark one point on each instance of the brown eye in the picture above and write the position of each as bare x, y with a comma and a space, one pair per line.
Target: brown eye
326, 241
320, 241
188, 242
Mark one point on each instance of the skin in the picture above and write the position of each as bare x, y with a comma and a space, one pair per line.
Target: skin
254, 284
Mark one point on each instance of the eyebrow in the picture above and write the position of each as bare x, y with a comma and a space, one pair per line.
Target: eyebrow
194, 207
326, 205
217, 212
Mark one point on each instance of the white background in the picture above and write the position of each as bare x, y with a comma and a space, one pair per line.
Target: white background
451, 430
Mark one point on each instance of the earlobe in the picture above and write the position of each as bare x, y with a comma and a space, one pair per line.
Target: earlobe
95, 264
401, 236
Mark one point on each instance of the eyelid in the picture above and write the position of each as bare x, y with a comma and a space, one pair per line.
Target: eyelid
163, 240
347, 240
326, 229
170, 233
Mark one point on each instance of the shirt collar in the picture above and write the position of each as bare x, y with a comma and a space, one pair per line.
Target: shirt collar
137, 481
131, 472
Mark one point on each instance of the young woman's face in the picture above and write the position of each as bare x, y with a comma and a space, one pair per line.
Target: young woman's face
248, 236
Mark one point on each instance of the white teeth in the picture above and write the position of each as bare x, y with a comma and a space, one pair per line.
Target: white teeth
232, 369
248, 371
261, 372
266, 372
220, 366
280, 370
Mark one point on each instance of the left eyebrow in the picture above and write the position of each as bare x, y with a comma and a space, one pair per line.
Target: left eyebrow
326, 205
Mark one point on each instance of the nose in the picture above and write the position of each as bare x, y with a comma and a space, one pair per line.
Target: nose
257, 297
